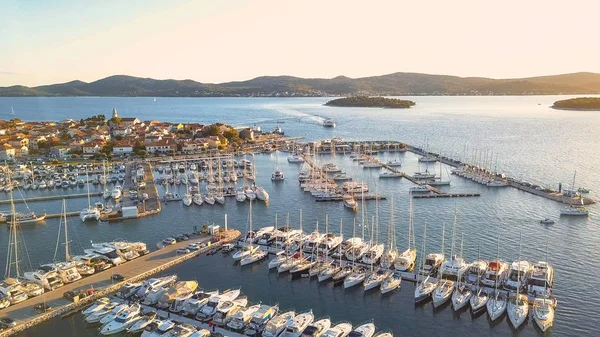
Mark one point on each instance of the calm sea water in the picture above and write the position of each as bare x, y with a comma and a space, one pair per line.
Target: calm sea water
532, 142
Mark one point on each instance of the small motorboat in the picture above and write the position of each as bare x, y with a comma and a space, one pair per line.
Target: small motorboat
547, 221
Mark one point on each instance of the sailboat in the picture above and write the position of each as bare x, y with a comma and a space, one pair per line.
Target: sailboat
89, 213
255, 254
197, 197
11, 286
478, 299
543, 307
518, 305
496, 304
424, 287
406, 260
187, 197
219, 197
277, 175
571, 209
106, 194
388, 258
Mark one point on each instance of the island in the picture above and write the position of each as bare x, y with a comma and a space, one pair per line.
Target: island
371, 102
581, 103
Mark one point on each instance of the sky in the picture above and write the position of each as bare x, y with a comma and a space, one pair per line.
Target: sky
215, 41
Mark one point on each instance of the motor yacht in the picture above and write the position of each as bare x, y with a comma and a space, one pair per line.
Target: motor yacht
159, 328
97, 306
32, 289
67, 271
317, 328
542, 279
350, 202
339, 330
241, 318
276, 325
128, 290
123, 321
454, 268
13, 290
518, 275
46, 276
96, 261
212, 304
476, 271
110, 307
495, 273
109, 253
295, 158
295, 327
433, 262
178, 289
517, 309
260, 318
442, 292
227, 309
543, 313
329, 123
394, 163
364, 330
154, 283
143, 322
193, 304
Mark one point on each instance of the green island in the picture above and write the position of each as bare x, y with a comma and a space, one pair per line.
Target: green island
581, 103
371, 102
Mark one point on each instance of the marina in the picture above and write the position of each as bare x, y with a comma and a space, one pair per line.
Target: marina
477, 216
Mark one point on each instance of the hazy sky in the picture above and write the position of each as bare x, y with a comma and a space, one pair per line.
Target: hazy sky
223, 40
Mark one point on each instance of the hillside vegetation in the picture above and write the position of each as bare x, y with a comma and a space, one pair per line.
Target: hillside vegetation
581, 103
397, 84
371, 102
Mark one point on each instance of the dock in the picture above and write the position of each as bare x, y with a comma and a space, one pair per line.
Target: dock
102, 284
52, 197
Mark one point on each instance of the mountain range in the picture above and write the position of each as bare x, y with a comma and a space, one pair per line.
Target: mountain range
396, 84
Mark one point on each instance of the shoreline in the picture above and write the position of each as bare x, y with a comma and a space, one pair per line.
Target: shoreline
574, 109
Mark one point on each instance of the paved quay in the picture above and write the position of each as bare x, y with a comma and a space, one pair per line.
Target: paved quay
25, 315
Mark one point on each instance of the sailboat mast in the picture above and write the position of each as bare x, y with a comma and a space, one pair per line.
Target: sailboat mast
443, 236
87, 181
67, 255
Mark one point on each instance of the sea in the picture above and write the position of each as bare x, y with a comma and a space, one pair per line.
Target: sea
520, 136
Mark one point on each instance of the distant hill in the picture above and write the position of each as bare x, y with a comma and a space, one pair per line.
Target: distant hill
397, 84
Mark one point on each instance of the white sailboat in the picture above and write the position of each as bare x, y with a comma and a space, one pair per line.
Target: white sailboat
496, 304
255, 255
106, 194
406, 260
89, 213
277, 175
391, 254
518, 305
424, 286
575, 210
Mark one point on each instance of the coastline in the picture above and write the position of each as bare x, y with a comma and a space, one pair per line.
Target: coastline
574, 109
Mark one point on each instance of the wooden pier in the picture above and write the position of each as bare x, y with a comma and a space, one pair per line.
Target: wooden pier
53, 197
102, 284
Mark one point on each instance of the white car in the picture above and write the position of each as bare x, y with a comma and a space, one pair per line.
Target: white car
169, 241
